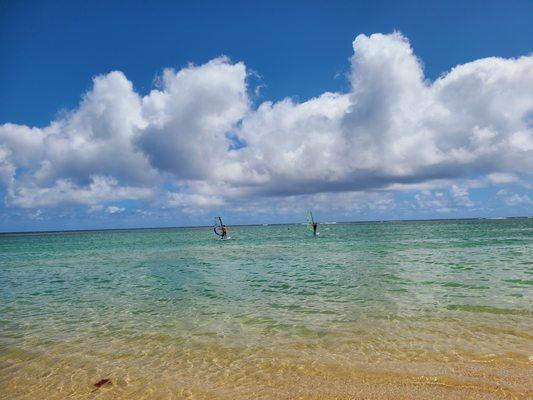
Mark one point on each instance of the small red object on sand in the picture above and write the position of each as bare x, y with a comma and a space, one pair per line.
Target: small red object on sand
102, 382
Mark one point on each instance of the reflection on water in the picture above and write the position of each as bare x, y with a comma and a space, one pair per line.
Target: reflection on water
376, 309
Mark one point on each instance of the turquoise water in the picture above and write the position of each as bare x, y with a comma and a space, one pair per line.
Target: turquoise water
148, 305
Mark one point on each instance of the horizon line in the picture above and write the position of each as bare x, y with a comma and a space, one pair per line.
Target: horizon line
52, 231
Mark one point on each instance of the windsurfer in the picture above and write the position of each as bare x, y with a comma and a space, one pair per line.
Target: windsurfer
224, 231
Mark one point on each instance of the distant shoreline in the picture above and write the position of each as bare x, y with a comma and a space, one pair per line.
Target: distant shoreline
80, 231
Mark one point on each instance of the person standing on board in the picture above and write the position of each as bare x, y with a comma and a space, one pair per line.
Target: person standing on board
315, 226
224, 231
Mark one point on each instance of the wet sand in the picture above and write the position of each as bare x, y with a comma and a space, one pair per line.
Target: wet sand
262, 376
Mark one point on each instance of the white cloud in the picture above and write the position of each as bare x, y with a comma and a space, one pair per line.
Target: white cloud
394, 127
514, 199
461, 196
500, 177
187, 120
114, 209
100, 190
444, 200
36, 215
393, 130
433, 201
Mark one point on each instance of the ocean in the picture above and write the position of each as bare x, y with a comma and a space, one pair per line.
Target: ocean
434, 309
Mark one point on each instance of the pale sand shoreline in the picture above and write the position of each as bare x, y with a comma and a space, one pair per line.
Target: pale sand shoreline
304, 380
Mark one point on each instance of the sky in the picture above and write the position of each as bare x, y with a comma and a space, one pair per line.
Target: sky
146, 114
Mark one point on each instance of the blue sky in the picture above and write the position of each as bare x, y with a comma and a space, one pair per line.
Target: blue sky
151, 169
53, 49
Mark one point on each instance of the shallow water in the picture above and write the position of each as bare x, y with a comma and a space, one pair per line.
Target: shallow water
368, 309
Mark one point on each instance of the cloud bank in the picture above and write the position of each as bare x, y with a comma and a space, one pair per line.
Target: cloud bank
198, 141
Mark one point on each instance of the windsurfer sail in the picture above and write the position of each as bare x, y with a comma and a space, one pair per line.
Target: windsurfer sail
311, 224
219, 228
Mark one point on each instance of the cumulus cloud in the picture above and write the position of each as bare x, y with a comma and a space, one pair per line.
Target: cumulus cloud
444, 201
175, 146
499, 177
100, 189
394, 126
114, 209
514, 199
188, 119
